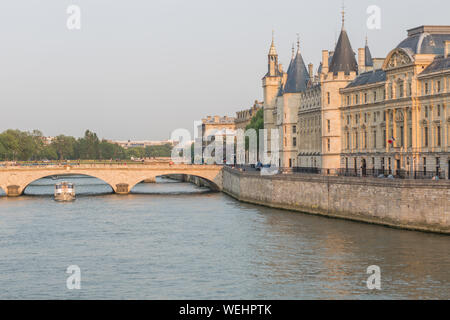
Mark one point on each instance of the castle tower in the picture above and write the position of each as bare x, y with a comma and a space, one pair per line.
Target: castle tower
340, 72
271, 84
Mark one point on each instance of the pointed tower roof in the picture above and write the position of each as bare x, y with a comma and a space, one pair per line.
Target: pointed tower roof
343, 57
297, 76
272, 50
368, 56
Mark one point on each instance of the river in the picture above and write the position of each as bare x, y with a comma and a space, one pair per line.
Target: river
174, 240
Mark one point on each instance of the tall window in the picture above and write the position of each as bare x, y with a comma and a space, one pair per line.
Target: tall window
402, 137
294, 129
328, 144
356, 140
401, 88
374, 96
426, 87
425, 137
294, 141
384, 138
375, 139
438, 136
438, 86
328, 98
365, 139
329, 125
348, 140
410, 137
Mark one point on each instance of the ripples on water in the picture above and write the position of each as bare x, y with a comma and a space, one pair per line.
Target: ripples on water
178, 241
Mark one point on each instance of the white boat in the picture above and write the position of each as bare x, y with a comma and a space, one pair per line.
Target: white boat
64, 191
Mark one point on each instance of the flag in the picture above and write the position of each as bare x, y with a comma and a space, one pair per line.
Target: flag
391, 141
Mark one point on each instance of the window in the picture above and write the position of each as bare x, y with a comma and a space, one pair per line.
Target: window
328, 144
285, 142
328, 97
426, 112
294, 141
438, 86
294, 129
374, 96
348, 100
410, 137
438, 136
328, 125
374, 117
439, 110
348, 119
356, 140
365, 139
384, 138
401, 89
426, 87
375, 139
348, 140
365, 117
425, 137
401, 136
357, 99
365, 97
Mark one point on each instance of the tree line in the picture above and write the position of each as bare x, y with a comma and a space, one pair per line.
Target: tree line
16, 145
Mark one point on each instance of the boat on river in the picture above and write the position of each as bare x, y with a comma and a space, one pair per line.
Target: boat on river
64, 191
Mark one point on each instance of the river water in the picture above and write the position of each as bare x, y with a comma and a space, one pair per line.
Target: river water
173, 240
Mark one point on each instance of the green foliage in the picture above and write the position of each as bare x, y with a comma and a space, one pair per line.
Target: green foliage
164, 150
16, 145
257, 123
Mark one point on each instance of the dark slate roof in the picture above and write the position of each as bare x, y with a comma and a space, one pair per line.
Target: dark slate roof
438, 64
297, 75
425, 43
343, 57
368, 78
368, 56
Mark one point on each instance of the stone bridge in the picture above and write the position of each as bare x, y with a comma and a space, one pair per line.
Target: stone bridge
121, 177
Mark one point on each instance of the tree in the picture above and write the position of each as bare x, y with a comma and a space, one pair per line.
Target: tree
64, 147
257, 123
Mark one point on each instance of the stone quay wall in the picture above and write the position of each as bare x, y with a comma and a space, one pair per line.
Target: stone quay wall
409, 204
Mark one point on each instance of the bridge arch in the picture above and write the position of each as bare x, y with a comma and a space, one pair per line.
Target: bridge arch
208, 181
62, 175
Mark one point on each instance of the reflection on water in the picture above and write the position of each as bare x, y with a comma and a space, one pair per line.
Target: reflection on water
175, 240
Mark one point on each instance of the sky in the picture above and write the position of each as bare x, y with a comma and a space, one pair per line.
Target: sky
138, 69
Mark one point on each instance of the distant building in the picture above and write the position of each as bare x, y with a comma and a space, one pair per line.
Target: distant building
215, 126
142, 144
244, 117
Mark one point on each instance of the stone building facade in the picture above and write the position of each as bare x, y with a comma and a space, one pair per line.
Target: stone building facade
396, 118
364, 116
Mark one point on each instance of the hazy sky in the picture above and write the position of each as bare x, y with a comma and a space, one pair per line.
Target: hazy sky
138, 69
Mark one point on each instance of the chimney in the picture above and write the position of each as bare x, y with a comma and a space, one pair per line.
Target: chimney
447, 49
324, 61
361, 60
310, 70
